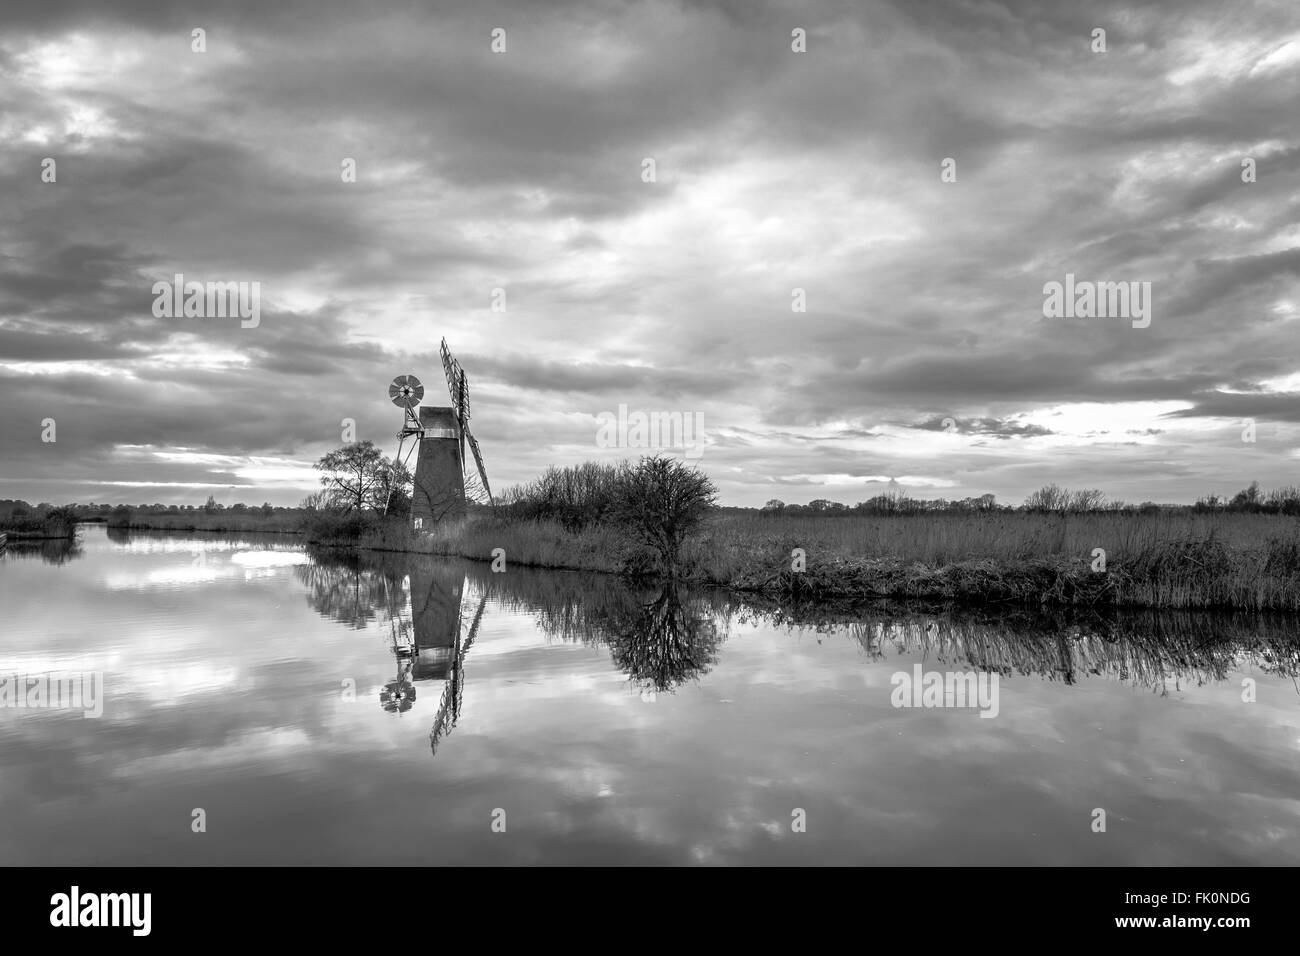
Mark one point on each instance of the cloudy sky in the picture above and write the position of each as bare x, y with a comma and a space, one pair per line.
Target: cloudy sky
775, 170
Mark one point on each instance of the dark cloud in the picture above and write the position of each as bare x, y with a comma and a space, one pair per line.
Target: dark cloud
996, 427
1268, 406
775, 171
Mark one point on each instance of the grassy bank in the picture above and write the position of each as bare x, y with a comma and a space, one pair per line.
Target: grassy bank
529, 543
1150, 560
1155, 561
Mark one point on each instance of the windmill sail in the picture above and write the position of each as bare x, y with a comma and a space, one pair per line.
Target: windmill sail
455, 381
482, 469
462, 407
443, 479
458, 387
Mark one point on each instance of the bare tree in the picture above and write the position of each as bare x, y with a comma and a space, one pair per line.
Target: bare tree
1089, 499
1048, 498
663, 501
352, 474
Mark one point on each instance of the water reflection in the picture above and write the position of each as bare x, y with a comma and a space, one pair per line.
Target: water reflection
453, 693
420, 605
1157, 649
49, 550
663, 637
660, 637
431, 611
249, 675
118, 535
659, 641
346, 588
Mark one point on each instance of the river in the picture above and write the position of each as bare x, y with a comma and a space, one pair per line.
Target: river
266, 705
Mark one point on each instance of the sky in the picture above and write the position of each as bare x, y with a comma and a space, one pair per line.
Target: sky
501, 201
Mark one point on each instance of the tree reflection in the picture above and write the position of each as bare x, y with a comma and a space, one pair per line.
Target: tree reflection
118, 534
1140, 647
661, 638
665, 642
343, 588
49, 550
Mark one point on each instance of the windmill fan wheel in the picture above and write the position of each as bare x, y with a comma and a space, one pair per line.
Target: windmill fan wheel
406, 391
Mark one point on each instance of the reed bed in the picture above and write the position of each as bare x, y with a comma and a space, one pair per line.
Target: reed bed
58, 524
1242, 561
1169, 561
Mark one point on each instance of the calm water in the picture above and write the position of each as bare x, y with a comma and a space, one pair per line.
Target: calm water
600, 724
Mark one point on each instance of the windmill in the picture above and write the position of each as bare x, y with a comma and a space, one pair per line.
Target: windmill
442, 482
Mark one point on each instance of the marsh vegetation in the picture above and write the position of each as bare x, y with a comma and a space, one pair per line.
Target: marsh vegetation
658, 518
1061, 547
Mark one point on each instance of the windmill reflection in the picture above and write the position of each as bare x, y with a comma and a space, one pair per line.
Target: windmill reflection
420, 602
453, 691
398, 695
428, 646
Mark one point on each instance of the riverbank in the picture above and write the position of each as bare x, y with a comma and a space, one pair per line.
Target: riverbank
12, 536
536, 544
228, 522
1244, 562
54, 527
1152, 581
224, 526
1247, 562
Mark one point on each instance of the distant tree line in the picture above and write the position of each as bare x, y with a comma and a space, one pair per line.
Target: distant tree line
90, 511
358, 479
1050, 499
889, 503
1251, 500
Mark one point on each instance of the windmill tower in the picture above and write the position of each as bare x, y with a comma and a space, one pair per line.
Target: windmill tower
442, 486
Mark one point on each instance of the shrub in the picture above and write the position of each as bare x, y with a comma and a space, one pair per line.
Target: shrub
339, 526
663, 501
575, 496
60, 522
